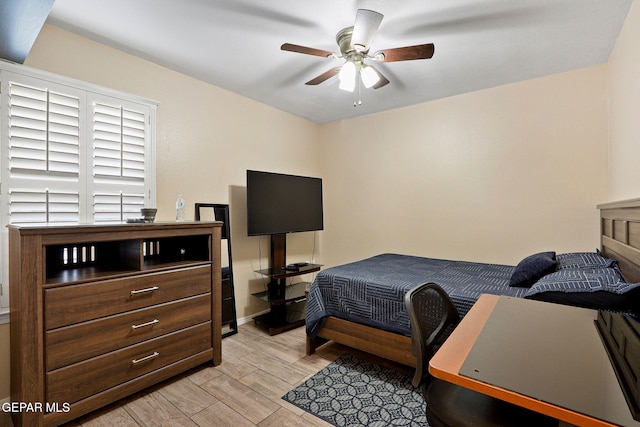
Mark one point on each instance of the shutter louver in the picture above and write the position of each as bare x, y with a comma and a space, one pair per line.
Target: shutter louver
44, 129
133, 145
111, 207
64, 118
43, 206
27, 128
119, 144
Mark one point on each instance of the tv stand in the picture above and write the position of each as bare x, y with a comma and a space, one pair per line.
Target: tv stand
287, 303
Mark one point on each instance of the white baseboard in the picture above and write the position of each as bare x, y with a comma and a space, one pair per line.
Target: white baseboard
248, 319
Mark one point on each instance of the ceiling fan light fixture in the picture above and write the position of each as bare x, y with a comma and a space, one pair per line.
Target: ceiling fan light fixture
369, 76
347, 85
365, 28
354, 43
347, 76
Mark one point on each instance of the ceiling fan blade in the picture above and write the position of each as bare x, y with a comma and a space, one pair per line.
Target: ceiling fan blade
306, 50
324, 76
407, 53
365, 28
383, 80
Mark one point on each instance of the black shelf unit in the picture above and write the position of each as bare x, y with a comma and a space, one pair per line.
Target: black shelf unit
229, 319
287, 303
296, 292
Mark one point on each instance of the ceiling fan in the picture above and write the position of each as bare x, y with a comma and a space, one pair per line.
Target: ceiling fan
354, 43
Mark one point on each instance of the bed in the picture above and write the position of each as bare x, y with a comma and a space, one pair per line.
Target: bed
361, 304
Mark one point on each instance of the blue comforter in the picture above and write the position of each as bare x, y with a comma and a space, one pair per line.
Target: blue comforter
371, 291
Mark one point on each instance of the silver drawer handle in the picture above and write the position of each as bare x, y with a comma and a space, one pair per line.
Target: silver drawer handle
144, 359
142, 325
144, 291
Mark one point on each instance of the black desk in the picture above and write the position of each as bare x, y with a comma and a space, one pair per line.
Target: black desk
547, 357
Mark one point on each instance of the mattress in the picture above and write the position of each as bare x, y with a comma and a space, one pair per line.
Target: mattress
371, 291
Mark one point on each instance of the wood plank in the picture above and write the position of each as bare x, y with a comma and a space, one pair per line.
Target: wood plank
630, 214
630, 253
634, 235
621, 231
385, 344
629, 203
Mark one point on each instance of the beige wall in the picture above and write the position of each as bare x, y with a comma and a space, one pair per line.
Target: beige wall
624, 110
488, 176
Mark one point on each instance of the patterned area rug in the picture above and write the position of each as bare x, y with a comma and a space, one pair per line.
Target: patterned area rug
356, 392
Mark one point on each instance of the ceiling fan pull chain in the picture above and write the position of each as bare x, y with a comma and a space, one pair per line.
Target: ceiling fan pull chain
356, 93
358, 98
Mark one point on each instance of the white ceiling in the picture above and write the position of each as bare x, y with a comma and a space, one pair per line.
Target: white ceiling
235, 44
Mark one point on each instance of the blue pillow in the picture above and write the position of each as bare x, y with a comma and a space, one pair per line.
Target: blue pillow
584, 260
532, 268
597, 288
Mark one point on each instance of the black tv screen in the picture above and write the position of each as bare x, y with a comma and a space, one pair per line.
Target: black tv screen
279, 203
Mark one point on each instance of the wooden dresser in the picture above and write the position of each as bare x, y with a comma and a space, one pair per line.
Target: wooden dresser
99, 312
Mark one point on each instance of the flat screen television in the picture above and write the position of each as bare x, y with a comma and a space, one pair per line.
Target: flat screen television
279, 203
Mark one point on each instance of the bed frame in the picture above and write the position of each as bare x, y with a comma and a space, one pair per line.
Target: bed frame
620, 235
619, 240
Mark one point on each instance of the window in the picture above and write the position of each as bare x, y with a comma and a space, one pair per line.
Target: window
118, 159
41, 150
71, 152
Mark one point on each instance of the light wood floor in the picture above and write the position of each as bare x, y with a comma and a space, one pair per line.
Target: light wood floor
245, 390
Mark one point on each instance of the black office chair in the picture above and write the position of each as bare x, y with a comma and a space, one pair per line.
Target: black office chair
433, 316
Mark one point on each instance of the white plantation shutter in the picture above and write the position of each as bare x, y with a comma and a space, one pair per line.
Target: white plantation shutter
73, 155
120, 136
44, 130
119, 143
43, 176
71, 152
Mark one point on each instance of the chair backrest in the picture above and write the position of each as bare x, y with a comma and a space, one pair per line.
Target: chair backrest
432, 316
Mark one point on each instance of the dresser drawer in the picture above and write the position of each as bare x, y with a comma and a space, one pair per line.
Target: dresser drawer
75, 382
67, 305
95, 337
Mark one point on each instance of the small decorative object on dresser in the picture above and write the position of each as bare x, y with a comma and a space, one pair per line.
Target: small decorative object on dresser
148, 214
99, 312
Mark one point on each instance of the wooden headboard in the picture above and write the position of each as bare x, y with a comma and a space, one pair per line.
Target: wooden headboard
620, 235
